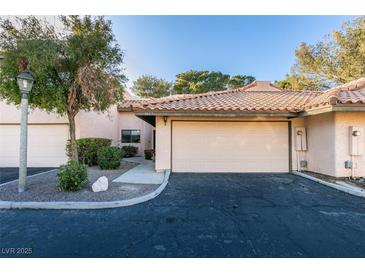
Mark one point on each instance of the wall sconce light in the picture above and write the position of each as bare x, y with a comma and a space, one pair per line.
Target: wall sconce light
299, 132
356, 133
165, 119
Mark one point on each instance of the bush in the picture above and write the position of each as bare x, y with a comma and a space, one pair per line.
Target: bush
129, 151
72, 176
87, 149
109, 157
148, 154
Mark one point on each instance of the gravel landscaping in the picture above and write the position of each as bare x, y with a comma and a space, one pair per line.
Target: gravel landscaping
43, 188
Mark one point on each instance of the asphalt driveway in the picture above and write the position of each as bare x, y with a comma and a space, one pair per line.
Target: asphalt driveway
202, 215
8, 174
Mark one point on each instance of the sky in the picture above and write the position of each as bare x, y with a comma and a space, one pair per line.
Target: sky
262, 46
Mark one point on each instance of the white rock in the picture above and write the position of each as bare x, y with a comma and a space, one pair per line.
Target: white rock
100, 184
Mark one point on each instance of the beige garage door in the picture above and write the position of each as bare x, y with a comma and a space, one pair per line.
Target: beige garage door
230, 146
46, 145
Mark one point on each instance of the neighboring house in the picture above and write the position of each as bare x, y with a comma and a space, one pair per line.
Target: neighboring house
260, 128
48, 133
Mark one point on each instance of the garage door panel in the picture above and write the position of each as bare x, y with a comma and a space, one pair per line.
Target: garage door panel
46, 145
230, 147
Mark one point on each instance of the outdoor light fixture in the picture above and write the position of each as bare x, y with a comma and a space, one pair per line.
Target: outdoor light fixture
25, 82
165, 119
299, 132
356, 133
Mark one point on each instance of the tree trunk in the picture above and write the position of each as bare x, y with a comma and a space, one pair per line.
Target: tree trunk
72, 131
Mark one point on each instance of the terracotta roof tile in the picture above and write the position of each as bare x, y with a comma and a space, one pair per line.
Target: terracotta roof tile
259, 96
350, 93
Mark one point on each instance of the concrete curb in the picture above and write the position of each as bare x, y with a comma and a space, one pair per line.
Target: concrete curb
343, 187
87, 205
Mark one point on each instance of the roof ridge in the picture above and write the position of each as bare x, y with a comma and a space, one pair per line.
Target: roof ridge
333, 95
353, 85
188, 96
255, 83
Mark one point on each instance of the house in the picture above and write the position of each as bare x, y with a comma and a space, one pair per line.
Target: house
259, 128
48, 133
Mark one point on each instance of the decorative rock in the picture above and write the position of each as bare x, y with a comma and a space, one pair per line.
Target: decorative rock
100, 184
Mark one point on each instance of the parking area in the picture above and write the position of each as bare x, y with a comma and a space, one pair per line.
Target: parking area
203, 215
8, 174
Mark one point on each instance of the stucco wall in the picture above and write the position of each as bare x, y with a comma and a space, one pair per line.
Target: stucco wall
343, 122
88, 124
297, 122
321, 143
10, 114
110, 124
127, 120
94, 124
328, 141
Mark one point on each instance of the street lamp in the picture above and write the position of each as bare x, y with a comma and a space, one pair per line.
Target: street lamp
25, 83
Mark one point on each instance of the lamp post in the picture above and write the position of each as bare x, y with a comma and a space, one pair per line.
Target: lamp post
25, 83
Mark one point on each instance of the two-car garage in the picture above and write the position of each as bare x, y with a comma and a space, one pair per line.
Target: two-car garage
235, 146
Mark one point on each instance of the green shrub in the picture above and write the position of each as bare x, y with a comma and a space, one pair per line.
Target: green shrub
129, 151
109, 157
87, 149
148, 154
72, 176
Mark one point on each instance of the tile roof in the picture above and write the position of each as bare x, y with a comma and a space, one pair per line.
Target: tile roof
349, 93
259, 96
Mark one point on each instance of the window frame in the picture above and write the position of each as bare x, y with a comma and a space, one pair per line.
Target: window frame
130, 136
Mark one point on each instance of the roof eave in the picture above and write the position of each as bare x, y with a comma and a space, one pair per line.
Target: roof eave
215, 113
334, 108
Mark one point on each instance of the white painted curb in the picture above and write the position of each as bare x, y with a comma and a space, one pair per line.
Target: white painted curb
343, 187
87, 205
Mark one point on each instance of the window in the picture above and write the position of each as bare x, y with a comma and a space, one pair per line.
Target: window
131, 136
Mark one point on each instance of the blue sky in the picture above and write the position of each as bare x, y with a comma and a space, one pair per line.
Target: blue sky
262, 46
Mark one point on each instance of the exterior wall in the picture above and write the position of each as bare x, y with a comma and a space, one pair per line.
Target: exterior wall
296, 122
127, 120
328, 141
163, 135
321, 143
102, 125
88, 124
10, 114
343, 121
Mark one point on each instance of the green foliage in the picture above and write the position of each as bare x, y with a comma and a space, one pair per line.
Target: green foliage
109, 157
298, 82
60, 61
78, 68
200, 81
337, 59
87, 149
72, 176
149, 86
203, 81
148, 154
129, 151
238, 81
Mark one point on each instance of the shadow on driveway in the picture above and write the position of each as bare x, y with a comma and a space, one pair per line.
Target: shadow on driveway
8, 174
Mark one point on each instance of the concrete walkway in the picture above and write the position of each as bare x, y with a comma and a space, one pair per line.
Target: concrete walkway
142, 174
